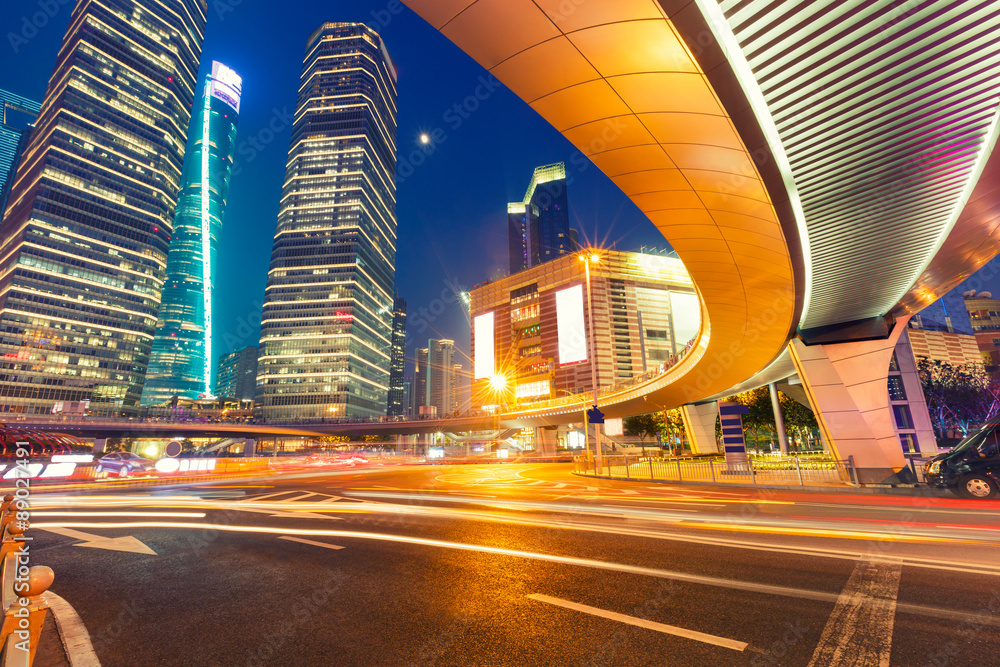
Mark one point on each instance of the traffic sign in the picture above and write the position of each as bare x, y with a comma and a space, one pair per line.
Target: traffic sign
595, 416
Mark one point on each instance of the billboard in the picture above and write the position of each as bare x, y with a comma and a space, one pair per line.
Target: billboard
685, 311
226, 85
570, 325
484, 363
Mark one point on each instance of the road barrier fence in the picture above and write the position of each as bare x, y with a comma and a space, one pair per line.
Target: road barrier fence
790, 470
23, 589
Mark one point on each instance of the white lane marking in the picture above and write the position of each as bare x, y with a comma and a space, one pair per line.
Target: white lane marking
643, 623
298, 498
560, 485
333, 499
125, 543
859, 631
72, 631
269, 495
303, 541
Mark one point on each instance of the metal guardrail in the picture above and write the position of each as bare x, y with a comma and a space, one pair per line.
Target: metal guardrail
790, 471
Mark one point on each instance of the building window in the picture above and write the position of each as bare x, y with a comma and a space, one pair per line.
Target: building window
656, 334
909, 443
896, 390
893, 364
904, 420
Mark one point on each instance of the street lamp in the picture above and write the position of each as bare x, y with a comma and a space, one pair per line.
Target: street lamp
588, 258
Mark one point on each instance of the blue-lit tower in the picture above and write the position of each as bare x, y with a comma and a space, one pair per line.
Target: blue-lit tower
182, 359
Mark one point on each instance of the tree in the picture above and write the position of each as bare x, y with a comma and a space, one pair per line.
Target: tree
642, 426
958, 397
761, 415
799, 419
672, 422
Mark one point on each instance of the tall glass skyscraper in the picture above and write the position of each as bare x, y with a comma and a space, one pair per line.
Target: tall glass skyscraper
15, 129
88, 224
326, 326
182, 361
538, 226
397, 361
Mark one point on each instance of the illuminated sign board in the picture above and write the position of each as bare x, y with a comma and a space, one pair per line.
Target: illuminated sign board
226, 85
570, 325
485, 363
685, 311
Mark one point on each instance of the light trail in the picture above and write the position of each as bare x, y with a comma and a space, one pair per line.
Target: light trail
753, 587
195, 515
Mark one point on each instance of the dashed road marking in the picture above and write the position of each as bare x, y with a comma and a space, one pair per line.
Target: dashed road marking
312, 542
859, 631
643, 623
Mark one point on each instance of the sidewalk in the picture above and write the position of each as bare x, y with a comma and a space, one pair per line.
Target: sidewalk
914, 490
51, 652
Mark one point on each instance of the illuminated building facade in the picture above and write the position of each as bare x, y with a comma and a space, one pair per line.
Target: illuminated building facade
182, 360
531, 327
237, 374
538, 226
327, 319
397, 361
90, 212
18, 114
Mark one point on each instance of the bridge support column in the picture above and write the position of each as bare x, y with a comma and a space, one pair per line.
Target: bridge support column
249, 447
99, 445
847, 387
545, 440
699, 423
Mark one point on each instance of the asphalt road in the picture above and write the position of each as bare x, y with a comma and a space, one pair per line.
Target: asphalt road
522, 565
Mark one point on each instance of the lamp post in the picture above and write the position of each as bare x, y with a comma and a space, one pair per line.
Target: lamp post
587, 259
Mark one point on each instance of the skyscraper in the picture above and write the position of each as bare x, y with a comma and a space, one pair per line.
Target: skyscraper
327, 318
439, 374
420, 381
15, 129
237, 375
397, 361
181, 362
538, 226
90, 213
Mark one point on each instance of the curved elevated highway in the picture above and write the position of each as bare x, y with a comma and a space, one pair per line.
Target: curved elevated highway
824, 170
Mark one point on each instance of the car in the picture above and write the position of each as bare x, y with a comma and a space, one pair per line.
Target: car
972, 469
124, 464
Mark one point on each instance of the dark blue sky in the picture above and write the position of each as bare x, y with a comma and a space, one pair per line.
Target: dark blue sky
451, 210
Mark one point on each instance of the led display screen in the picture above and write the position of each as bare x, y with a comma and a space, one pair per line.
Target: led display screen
686, 313
570, 326
485, 365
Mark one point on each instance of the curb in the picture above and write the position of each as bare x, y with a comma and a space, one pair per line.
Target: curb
911, 491
72, 632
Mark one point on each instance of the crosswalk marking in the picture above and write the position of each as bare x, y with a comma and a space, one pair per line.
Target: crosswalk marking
859, 631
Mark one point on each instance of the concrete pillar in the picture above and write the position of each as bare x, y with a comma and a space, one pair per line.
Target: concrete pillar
847, 387
99, 445
249, 447
546, 440
699, 423
779, 419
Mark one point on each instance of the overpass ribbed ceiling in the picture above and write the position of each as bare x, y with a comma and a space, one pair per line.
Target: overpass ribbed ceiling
883, 109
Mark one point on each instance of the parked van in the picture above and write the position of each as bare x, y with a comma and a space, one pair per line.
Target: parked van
972, 468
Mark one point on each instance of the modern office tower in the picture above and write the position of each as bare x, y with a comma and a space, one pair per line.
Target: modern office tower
19, 114
91, 209
237, 374
327, 321
457, 387
397, 360
538, 226
182, 360
420, 381
439, 376
531, 327
327, 318
408, 396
